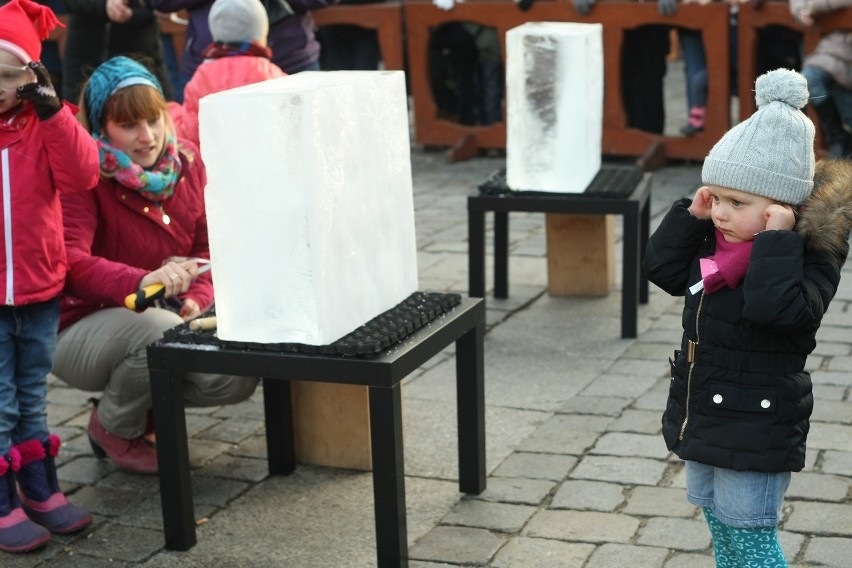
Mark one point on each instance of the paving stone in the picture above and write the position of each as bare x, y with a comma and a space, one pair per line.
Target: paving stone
839, 463
202, 452
232, 430
629, 444
658, 502
824, 519
117, 542
234, 467
640, 421
791, 543
606, 406
582, 526
516, 490
826, 393
830, 437
619, 386
818, 487
108, 501
563, 434
654, 399
85, 470
691, 561
542, 553
829, 551
500, 517
836, 377
588, 496
459, 545
838, 411
638, 471
627, 556
536, 466
690, 536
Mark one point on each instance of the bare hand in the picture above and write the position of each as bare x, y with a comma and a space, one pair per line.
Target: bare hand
805, 17
174, 276
118, 11
779, 217
701, 203
190, 310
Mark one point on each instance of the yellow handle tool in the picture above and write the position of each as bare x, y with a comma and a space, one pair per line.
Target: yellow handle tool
144, 298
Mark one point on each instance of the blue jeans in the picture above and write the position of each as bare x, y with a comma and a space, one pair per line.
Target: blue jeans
823, 89
695, 67
27, 343
740, 499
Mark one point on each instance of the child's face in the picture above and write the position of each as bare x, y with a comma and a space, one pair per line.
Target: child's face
737, 214
13, 74
142, 140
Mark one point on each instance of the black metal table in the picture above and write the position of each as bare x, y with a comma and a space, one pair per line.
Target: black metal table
168, 362
616, 190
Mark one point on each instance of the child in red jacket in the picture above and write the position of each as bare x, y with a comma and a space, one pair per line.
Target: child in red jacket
43, 150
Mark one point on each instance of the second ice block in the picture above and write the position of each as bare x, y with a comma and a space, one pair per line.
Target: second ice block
554, 106
309, 204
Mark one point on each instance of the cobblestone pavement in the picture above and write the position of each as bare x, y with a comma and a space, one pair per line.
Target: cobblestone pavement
578, 475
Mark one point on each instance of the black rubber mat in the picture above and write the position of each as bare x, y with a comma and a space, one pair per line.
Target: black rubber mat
610, 181
375, 336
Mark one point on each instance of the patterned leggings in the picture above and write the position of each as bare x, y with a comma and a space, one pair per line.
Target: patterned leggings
744, 548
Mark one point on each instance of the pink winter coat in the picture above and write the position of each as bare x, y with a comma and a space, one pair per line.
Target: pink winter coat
38, 161
213, 76
114, 237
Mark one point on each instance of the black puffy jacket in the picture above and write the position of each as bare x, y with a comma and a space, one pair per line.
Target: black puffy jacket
740, 397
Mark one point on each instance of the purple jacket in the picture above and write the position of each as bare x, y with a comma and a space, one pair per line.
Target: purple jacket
292, 40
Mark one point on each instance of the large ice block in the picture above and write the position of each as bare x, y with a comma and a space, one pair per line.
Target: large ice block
554, 106
309, 204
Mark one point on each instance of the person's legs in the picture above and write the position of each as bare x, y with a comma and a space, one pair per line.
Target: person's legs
827, 99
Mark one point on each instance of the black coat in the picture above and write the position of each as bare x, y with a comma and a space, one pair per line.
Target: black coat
740, 397
92, 39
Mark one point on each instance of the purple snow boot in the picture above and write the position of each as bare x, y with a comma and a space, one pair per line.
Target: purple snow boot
17, 532
40, 495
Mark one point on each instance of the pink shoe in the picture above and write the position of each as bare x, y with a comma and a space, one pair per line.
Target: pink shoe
130, 455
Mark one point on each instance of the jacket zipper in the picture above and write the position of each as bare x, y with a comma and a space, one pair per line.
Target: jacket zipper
7, 227
690, 357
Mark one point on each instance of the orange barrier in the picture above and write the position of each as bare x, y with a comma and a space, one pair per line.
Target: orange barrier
711, 20
384, 17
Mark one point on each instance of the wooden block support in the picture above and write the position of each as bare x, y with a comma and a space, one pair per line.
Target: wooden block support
580, 254
331, 424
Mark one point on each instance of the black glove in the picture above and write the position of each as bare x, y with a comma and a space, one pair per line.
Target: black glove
41, 94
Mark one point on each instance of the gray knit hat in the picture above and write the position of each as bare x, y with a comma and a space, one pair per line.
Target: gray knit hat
238, 20
772, 152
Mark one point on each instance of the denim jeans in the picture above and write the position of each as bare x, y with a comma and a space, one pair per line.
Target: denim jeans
695, 67
823, 89
27, 344
740, 499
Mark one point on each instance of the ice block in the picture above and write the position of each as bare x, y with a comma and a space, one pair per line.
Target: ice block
554, 106
309, 204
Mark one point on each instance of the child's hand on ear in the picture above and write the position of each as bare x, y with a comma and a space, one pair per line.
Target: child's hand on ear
701, 203
779, 217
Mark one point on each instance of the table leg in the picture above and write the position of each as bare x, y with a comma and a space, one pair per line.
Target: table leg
630, 279
475, 253
470, 401
173, 459
501, 254
644, 235
388, 476
278, 412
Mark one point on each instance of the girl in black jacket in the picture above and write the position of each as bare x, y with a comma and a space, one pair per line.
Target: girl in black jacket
757, 253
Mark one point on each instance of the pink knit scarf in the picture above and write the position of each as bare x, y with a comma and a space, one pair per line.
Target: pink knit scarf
727, 266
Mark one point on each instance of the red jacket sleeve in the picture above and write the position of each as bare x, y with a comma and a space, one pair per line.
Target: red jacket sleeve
74, 162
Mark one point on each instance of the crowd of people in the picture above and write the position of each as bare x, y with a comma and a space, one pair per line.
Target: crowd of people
121, 165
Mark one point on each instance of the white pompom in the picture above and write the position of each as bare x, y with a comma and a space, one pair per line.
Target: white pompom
781, 85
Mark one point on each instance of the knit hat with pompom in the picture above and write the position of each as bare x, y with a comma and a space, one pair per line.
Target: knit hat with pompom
772, 152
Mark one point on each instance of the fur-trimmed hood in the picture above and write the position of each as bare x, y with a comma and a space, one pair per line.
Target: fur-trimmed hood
826, 216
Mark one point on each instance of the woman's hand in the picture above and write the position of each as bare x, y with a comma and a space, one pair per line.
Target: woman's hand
174, 276
779, 217
190, 309
701, 203
118, 11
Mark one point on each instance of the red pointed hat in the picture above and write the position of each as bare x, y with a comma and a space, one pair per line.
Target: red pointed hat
23, 26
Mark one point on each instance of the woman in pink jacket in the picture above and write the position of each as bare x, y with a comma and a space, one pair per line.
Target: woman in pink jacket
43, 152
238, 56
147, 209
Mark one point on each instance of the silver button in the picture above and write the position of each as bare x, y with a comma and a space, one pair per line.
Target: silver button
765, 403
717, 398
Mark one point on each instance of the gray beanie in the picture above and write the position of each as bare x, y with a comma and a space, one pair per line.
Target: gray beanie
772, 152
238, 20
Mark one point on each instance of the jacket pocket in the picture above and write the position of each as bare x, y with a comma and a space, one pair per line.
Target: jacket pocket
726, 396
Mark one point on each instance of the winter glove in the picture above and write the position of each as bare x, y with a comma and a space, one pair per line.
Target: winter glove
41, 94
583, 7
667, 7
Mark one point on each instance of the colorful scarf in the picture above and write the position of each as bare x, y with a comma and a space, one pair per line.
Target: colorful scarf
727, 266
156, 183
220, 49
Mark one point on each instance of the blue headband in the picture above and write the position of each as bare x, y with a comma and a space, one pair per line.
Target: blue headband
111, 76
